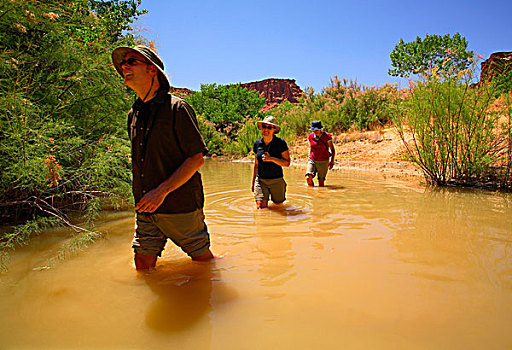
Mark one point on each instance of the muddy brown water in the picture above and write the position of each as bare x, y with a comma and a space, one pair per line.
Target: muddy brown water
365, 263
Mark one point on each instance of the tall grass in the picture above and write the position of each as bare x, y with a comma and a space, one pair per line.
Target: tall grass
246, 137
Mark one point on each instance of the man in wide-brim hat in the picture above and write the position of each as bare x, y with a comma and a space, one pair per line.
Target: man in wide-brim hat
167, 152
149, 57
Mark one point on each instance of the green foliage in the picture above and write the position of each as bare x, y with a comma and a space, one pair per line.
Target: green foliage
230, 112
212, 138
225, 104
225, 111
247, 135
21, 234
422, 55
454, 135
503, 82
116, 15
74, 246
341, 106
63, 107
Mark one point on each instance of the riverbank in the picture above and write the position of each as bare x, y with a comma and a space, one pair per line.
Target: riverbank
371, 152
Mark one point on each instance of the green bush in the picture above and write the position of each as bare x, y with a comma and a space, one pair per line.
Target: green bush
503, 82
246, 137
455, 136
63, 142
212, 138
341, 106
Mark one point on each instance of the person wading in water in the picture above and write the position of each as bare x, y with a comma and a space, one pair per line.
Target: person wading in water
270, 155
167, 152
322, 149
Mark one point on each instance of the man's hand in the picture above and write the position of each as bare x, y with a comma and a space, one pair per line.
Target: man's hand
154, 198
150, 201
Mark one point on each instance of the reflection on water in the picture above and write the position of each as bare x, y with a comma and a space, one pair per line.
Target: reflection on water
364, 263
183, 292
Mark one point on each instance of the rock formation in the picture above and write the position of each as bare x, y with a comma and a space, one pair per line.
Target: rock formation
276, 91
180, 92
498, 63
273, 90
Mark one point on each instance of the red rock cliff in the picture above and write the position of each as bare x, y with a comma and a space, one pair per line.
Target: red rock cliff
498, 63
276, 91
273, 90
180, 92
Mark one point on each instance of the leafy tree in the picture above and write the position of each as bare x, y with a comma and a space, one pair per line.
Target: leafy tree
225, 104
63, 142
434, 51
116, 15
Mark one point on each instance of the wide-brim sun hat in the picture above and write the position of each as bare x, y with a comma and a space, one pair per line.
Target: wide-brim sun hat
269, 120
120, 52
316, 125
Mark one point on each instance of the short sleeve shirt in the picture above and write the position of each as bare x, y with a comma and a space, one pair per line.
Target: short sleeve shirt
269, 170
164, 132
319, 147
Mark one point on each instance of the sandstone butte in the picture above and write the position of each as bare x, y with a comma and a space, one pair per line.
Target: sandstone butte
274, 90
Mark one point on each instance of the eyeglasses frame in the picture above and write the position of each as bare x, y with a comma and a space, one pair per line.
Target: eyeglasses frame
267, 126
132, 60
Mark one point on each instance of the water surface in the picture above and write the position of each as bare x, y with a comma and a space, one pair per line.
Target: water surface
365, 263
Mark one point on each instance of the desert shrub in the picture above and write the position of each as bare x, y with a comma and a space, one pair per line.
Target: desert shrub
456, 137
293, 119
341, 106
503, 82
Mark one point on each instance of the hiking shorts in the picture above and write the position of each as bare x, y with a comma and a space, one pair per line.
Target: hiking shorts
270, 188
187, 230
319, 167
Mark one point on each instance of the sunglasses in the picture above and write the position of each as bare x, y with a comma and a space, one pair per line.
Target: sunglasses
131, 61
269, 127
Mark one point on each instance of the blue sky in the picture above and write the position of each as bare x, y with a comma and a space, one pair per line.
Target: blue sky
233, 41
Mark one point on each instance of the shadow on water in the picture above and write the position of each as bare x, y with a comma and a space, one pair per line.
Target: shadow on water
187, 291
335, 187
184, 292
287, 210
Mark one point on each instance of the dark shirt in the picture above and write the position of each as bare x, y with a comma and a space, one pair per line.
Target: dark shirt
269, 170
164, 133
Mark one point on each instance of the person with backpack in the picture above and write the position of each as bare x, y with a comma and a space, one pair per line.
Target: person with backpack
321, 156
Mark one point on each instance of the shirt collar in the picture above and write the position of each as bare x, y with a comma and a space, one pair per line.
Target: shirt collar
158, 99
